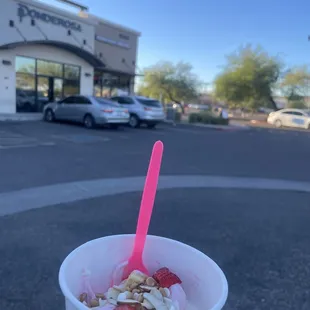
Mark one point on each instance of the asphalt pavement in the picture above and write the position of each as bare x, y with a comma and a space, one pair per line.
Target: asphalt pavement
63, 153
258, 237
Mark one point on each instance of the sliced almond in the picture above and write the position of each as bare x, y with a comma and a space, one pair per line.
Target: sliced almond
137, 276
128, 302
121, 288
146, 304
164, 291
112, 293
136, 290
112, 302
157, 303
124, 296
82, 297
131, 285
94, 303
155, 292
138, 297
102, 302
150, 281
146, 288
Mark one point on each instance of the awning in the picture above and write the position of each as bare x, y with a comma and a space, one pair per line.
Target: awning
110, 70
80, 52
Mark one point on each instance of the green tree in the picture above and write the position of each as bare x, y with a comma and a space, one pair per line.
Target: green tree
248, 79
170, 82
295, 86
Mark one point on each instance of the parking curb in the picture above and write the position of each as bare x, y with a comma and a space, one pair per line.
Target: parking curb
215, 127
20, 117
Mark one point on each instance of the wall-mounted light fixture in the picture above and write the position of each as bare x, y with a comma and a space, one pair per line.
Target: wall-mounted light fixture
75, 4
123, 60
6, 62
33, 22
84, 42
11, 23
69, 32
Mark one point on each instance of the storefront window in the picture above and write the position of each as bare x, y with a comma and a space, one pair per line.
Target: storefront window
108, 84
25, 65
25, 92
106, 91
39, 82
71, 88
49, 68
124, 83
72, 72
97, 84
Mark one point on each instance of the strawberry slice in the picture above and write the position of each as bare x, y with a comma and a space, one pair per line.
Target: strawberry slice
166, 278
160, 273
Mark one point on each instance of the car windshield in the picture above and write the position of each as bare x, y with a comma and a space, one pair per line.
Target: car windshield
101, 100
149, 102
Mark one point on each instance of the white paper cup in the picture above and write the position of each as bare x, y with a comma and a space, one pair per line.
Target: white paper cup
203, 281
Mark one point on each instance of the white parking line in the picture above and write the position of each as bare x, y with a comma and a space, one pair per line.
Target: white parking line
199, 132
57, 194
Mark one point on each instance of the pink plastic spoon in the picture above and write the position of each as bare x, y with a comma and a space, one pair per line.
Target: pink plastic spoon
135, 262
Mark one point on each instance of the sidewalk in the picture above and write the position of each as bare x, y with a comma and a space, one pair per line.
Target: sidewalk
229, 127
233, 125
18, 117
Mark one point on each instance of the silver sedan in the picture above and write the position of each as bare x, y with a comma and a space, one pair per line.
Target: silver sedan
88, 110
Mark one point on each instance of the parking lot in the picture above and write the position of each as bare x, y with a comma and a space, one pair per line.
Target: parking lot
242, 197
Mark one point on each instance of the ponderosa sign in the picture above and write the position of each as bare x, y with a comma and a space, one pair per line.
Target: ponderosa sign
24, 11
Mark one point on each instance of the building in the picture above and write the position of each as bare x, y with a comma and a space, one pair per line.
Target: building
47, 53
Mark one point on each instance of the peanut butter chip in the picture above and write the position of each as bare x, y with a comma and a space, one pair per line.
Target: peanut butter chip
94, 303
100, 296
82, 297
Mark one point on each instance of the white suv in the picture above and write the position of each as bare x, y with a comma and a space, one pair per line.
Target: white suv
142, 110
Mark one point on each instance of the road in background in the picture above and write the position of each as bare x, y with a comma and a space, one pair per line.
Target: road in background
72, 153
258, 237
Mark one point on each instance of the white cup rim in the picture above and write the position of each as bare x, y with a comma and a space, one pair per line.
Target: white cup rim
73, 299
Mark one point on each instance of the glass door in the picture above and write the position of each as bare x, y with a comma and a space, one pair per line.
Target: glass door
57, 89
43, 92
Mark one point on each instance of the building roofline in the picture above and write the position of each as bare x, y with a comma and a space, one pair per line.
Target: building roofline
112, 24
56, 10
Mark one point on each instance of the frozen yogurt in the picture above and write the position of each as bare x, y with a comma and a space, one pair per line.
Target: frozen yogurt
162, 291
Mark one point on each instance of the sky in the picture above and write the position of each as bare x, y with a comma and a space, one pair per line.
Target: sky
203, 32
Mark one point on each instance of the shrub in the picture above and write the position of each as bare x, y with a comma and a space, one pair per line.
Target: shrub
298, 104
207, 118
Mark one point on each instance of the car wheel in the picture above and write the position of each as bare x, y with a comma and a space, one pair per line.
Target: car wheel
151, 126
89, 121
134, 121
278, 123
49, 115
